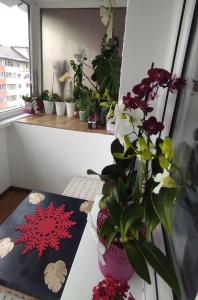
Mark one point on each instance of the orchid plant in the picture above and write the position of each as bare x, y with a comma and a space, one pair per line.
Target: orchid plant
140, 190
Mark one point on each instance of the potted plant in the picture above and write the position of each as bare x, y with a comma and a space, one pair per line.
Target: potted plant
139, 190
29, 104
70, 106
48, 103
82, 95
60, 105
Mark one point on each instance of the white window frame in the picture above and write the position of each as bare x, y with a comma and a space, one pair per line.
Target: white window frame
10, 113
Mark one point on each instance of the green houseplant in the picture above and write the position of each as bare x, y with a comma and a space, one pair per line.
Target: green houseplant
48, 102
139, 190
29, 104
59, 104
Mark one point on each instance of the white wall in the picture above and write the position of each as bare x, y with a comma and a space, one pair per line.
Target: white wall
4, 163
47, 158
66, 32
150, 36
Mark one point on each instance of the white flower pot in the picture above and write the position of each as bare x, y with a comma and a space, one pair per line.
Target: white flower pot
49, 107
110, 125
60, 108
70, 109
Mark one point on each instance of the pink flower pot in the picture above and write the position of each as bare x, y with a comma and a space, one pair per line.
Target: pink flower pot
116, 261
117, 264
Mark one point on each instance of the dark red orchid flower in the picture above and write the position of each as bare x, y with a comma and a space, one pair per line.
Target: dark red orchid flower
144, 106
159, 75
135, 102
130, 102
152, 126
176, 84
141, 89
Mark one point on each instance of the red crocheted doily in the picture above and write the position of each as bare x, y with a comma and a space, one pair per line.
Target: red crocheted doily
45, 228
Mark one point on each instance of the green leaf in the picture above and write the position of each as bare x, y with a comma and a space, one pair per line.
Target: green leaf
130, 215
163, 204
91, 172
164, 163
114, 207
151, 218
114, 171
102, 202
108, 185
107, 227
123, 156
137, 260
109, 238
161, 265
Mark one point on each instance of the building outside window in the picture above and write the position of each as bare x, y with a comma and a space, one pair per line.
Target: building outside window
14, 56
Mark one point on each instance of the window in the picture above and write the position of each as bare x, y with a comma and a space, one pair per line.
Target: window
14, 56
2, 87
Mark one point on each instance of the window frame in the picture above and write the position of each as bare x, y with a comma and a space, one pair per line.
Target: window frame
12, 112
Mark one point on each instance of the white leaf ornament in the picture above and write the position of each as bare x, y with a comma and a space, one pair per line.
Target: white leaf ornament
86, 206
36, 198
6, 246
54, 275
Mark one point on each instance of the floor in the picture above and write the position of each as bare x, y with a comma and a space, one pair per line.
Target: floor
61, 122
9, 200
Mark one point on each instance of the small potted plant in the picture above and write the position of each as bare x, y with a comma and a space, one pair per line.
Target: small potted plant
29, 104
48, 103
82, 95
60, 105
70, 105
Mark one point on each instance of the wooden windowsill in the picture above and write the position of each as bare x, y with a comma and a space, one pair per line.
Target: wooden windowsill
61, 122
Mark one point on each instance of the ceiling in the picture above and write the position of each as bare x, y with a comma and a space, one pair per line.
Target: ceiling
76, 3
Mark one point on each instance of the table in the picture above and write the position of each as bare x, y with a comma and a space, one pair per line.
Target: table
25, 273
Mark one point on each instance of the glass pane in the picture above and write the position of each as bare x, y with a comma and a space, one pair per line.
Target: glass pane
14, 55
185, 136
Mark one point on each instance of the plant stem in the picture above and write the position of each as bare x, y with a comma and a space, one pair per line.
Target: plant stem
90, 81
87, 66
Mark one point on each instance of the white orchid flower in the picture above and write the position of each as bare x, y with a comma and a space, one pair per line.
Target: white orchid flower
164, 180
126, 120
81, 57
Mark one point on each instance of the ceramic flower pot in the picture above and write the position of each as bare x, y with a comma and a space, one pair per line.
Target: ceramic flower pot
60, 108
29, 108
83, 115
115, 261
70, 109
110, 125
49, 107
39, 106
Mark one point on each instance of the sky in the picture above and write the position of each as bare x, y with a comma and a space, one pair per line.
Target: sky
13, 26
